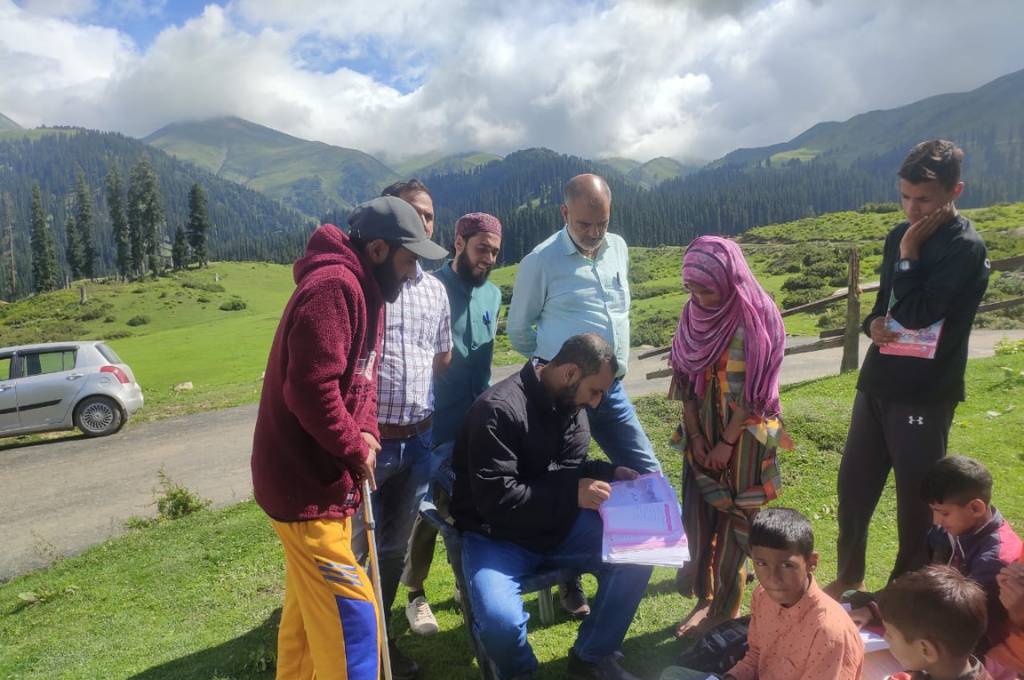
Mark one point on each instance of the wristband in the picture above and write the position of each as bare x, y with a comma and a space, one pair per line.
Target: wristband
730, 443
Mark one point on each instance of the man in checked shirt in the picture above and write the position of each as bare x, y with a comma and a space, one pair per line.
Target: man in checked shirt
417, 344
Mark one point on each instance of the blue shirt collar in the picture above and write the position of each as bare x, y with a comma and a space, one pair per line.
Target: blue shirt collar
569, 246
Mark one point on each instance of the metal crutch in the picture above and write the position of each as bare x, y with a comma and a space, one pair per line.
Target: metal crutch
371, 545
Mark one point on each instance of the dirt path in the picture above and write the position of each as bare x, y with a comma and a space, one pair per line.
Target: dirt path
58, 498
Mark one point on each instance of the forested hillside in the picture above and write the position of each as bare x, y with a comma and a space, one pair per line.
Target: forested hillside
246, 224
988, 123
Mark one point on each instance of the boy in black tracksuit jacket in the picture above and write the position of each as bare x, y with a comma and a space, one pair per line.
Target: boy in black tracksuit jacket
934, 267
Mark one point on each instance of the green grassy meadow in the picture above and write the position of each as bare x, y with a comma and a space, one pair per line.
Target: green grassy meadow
658, 294
188, 337
200, 597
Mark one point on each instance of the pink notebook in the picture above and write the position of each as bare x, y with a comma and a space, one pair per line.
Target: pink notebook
920, 343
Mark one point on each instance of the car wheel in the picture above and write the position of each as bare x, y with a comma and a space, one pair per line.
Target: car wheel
98, 416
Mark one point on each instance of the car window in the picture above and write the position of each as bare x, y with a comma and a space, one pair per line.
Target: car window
40, 363
109, 354
5, 368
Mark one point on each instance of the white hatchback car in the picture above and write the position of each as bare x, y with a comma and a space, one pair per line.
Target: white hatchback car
63, 385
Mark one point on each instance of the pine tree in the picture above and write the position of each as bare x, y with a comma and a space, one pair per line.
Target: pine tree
179, 252
198, 224
145, 214
136, 216
7, 222
119, 223
44, 257
83, 226
73, 249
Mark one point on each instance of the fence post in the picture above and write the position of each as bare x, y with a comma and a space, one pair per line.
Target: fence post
851, 339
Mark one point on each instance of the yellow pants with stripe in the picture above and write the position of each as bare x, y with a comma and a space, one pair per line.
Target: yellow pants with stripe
329, 625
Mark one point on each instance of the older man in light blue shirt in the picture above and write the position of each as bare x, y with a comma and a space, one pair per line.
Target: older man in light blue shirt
576, 282
560, 293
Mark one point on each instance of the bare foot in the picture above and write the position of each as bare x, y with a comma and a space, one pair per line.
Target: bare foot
710, 622
836, 589
693, 619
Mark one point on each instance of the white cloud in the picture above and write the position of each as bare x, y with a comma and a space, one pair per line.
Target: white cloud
640, 78
60, 8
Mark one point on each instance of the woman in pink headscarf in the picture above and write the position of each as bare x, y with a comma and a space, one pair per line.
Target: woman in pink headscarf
726, 354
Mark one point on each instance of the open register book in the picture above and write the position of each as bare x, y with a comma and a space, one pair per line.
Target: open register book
643, 524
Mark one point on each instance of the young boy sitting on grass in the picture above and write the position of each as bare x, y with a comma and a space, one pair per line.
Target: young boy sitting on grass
934, 618
797, 632
969, 535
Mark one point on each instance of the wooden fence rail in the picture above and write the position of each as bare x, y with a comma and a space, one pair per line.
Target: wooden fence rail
848, 337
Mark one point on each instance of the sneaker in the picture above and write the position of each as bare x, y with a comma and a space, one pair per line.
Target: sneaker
402, 667
573, 600
421, 619
607, 668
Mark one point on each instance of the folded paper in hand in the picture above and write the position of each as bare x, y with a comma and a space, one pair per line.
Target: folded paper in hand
920, 342
643, 524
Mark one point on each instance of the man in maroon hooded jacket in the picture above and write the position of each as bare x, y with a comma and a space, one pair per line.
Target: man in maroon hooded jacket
316, 433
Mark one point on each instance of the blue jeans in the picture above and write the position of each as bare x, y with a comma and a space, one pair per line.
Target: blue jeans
617, 430
401, 473
493, 569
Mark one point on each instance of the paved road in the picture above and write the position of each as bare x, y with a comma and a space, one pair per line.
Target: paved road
60, 497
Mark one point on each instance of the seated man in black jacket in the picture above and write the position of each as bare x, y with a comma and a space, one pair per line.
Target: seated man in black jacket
525, 498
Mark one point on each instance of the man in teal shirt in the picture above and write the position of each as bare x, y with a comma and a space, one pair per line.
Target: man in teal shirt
576, 282
474, 303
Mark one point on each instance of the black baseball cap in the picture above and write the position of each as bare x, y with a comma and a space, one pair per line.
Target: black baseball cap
392, 219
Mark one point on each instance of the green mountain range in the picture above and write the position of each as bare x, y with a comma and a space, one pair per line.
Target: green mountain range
988, 123
428, 165
658, 170
649, 174
311, 177
7, 124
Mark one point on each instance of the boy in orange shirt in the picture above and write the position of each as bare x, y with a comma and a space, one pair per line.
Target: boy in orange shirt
797, 632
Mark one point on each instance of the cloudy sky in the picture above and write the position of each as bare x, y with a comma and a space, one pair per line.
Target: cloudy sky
692, 79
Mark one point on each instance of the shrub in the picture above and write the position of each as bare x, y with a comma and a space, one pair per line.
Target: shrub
52, 331
802, 297
110, 318
833, 317
177, 501
233, 305
117, 335
202, 299
646, 290
879, 208
828, 269
135, 522
91, 311
199, 285
1005, 347
656, 330
140, 320
803, 282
